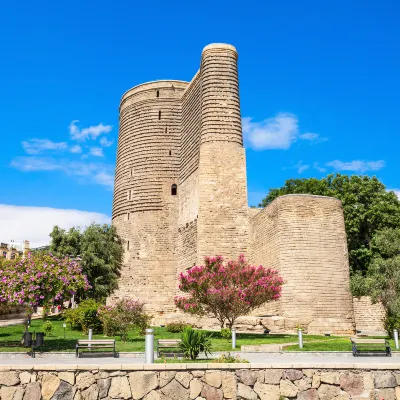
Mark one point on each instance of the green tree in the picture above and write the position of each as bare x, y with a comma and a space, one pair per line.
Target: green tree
368, 207
101, 252
383, 277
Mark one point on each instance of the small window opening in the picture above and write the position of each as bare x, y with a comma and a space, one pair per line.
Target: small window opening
127, 216
159, 115
158, 93
166, 130
170, 152
127, 245
174, 190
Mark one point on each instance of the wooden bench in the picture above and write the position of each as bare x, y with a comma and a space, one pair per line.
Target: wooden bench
168, 344
91, 345
371, 346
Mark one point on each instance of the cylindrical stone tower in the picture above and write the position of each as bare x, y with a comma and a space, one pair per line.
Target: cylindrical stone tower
223, 223
145, 193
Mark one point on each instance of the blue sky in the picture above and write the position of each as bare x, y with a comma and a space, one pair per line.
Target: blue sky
319, 84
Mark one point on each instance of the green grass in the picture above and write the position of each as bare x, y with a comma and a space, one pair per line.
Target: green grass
335, 344
10, 338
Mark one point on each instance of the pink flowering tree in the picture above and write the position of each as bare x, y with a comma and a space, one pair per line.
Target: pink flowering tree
227, 290
40, 280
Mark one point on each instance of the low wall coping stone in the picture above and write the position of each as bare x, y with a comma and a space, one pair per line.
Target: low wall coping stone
194, 366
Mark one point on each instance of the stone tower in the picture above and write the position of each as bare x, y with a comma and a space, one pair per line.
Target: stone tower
181, 194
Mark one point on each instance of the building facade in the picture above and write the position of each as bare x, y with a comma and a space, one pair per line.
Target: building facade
181, 194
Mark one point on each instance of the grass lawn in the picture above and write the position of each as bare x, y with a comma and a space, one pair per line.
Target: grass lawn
10, 338
335, 344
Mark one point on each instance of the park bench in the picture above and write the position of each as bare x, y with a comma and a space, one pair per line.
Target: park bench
370, 346
168, 344
91, 345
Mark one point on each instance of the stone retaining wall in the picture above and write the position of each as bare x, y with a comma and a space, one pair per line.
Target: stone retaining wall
198, 381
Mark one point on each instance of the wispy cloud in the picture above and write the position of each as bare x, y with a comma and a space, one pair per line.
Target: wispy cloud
37, 146
97, 152
92, 132
301, 167
105, 142
76, 149
87, 172
278, 132
20, 223
356, 165
318, 167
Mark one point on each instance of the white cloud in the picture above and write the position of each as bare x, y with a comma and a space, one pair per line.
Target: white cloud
92, 132
37, 146
76, 149
301, 167
278, 132
20, 223
99, 173
105, 142
356, 165
318, 167
97, 152
273, 133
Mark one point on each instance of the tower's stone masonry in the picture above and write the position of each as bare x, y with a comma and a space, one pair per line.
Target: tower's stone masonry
181, 194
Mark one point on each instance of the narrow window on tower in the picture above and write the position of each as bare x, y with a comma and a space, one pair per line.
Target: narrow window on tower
166, 130
174, 190
158, 93
170, 152
127, 216
159, 115
127, 245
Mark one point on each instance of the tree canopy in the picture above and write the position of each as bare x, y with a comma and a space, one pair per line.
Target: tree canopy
367, 206
227, 290
40, 280
101, 252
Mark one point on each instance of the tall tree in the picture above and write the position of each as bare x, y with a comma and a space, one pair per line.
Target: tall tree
368, 207
101, 252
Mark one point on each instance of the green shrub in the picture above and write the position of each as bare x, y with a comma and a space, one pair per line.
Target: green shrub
72, 316
228, 358
193, 342
123, 316
85, 316
226, 333
176, 327
48, 328
390, 323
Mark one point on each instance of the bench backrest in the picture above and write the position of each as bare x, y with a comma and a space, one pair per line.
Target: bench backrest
169, 342
368, 341
99, 341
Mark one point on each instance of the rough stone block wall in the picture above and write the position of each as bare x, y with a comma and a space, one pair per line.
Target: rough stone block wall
190, 135
304, 238
368, 316
222, 382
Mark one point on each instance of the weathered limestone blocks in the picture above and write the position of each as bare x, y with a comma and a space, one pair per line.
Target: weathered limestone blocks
190, 384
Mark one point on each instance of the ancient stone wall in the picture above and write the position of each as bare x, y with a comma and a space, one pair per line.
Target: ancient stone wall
144, 210
202, 381
368, 316
223, 224
181, 194
304, 237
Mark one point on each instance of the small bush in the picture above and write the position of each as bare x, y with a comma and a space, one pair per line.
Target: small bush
85, 316
226, 333
48, 328
228, 358
193, 342
123, 316
390, 323
176, 327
